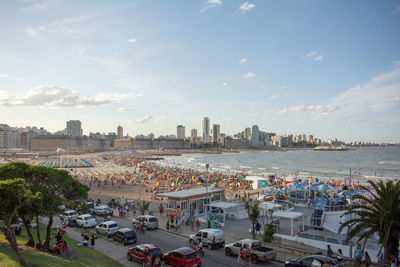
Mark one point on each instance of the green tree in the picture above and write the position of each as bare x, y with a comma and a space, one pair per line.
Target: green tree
13, 195
253, 213
269, 230
55, 186
378, 212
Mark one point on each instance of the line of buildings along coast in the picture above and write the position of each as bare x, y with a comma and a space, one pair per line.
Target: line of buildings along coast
72, 139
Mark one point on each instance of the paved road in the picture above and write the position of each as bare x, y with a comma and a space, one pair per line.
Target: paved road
166, 241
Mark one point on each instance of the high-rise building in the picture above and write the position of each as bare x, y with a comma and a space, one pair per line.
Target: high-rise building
120, 132
4, 136
193, 136
247, 133
215, 131
206, 130
255, 137
180, 132
74, 128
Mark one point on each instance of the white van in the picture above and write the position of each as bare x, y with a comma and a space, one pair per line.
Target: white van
211, 238
86, 220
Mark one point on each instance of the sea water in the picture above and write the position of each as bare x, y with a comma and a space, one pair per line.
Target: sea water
365, 161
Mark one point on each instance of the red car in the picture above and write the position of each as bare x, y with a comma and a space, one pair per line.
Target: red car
185, 257
141, 252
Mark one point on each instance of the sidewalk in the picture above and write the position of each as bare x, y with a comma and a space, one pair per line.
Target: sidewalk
105, 247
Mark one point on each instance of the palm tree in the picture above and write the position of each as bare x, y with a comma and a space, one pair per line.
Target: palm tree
377, 213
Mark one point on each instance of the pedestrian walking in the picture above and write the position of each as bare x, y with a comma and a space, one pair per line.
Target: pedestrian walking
197, 224
339, 255
258, 227
358, 255
161, 209
329, 251
367, 259
92, 241
247, 254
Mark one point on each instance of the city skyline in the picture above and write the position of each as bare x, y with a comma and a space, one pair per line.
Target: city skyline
150, 66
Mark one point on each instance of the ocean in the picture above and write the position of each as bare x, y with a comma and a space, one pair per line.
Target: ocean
365, 161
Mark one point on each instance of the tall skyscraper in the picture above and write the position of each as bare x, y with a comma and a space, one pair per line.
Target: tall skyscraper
180, 132
206, 130
120, 132
74, 128
247, 133
193, 135
215, 131
255, 137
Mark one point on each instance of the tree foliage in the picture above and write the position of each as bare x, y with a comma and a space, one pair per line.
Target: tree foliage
55, 186
377, 212
13, 196
253, 212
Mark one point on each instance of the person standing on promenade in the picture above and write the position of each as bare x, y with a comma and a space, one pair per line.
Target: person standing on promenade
161, 209
358, 255
367, 259
197, 224
339, 255
329, 251
92, 241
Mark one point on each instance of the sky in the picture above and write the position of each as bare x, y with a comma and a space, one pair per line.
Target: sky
327, 68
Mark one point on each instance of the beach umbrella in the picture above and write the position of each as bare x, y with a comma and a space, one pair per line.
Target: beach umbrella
277, 192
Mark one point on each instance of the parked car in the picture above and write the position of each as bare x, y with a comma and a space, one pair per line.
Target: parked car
18, 224
85, 221
149, 222
125, 236
140, 252
210, 238
71, 222
258, 251
185, 256
69, 214
313, 260
103, 210
107, 228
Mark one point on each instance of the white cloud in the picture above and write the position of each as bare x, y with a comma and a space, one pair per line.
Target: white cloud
160, 118
132, 40
211, 4
253, 114
224, 84
396, 11
313, 53
246, 6
218, 2
71, 33
282, 111
268, 111
3, 75
32, 32
42, 28
124, 109
39, 6
282, 87
144, 119
19, 79
70, 20
249, 75
54, 96
297, 108
243, 60
318, 58
272, 97
377, 95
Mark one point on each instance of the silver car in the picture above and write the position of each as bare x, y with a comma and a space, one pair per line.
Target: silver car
107, 228
149, 222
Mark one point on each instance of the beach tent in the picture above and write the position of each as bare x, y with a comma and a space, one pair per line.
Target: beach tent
258, 182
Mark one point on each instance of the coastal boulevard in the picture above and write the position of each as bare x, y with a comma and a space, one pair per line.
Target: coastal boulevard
167, 242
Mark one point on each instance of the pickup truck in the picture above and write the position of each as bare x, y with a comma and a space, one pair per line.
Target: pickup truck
258, 251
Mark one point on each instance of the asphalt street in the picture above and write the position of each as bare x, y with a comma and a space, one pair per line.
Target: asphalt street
169, 241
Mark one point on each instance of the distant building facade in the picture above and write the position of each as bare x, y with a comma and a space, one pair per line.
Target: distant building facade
206, 130
120, 132
180, 132
193, 136
215, 131
50, 143
255, 137
74, 128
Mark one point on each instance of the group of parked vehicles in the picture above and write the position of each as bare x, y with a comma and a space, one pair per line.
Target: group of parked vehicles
185, 256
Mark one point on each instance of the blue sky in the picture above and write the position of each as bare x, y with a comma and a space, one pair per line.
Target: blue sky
328, 68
